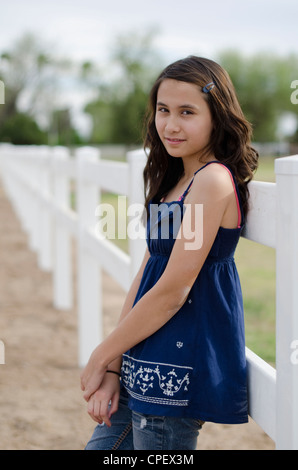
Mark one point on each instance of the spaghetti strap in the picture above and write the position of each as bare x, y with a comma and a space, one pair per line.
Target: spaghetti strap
236, 191
206, 164
181, 198
188, 187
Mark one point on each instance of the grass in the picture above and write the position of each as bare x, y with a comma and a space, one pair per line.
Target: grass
256, 267
265, 171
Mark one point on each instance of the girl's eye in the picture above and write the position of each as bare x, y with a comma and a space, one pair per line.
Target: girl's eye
162, 110
185, 112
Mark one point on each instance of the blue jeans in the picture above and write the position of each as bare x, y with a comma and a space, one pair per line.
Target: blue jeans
136, 431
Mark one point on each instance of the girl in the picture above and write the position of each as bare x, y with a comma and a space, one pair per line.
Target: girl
179, 345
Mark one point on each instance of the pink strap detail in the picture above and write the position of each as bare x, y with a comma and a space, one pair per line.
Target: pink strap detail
179, 199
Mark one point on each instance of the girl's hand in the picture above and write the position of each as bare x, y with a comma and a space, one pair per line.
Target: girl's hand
92, 375
108, 393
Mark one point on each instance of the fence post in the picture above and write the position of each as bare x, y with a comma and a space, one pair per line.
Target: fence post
32, 177
136, 160
286, 170
62, 273
89, 273
45, 255
19, 185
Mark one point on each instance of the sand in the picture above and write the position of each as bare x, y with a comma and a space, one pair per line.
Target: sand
41, 404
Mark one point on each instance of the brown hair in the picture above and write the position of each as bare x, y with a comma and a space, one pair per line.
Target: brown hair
230, 138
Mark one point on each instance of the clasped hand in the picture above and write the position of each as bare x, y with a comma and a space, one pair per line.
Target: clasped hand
104, 402
92, 375
101, 390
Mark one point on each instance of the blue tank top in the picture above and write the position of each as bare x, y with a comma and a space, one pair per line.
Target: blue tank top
195, 365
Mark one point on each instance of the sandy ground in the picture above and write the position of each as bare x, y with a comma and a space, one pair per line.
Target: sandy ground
41, 405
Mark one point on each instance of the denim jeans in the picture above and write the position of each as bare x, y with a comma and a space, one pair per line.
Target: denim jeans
136, 431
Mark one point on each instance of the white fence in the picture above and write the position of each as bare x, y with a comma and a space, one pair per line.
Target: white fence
38, 181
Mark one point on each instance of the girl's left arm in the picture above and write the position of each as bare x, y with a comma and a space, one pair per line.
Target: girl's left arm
167, 296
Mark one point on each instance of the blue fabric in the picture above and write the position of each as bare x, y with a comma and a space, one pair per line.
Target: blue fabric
195, 365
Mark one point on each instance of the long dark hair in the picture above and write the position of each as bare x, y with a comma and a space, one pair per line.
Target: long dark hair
230, 141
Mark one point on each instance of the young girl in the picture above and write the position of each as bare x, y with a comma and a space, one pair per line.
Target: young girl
179, 345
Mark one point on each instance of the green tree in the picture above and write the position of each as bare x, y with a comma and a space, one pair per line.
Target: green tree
61, 131
262, 82
21, 129
119, 111
31, 76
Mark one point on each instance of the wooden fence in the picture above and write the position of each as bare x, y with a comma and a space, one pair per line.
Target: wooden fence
41, 181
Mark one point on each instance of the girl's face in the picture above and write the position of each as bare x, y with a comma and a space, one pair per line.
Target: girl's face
183, 119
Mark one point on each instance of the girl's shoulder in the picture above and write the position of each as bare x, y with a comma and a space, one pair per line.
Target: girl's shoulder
214, 178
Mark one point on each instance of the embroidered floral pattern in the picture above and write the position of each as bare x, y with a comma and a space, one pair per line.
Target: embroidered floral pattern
154, 381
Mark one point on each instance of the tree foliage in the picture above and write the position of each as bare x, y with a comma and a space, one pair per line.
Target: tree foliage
34, 76
118, 113
31, 76
262, 82
21, 129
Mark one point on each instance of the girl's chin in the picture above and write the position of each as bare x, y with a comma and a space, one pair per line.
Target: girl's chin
173, 152
174, 155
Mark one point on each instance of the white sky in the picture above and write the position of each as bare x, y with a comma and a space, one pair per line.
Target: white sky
85, 29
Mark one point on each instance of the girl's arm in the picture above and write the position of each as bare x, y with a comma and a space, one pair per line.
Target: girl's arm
160, 304
103, 403
128, 303
116, 361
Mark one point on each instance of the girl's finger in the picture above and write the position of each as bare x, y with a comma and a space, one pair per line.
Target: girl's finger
104, 413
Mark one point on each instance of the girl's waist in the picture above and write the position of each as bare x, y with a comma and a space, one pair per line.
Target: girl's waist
209, 259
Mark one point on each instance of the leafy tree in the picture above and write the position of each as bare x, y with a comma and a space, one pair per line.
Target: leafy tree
31, 76
119, 111
21, 129
262, 82
61, 131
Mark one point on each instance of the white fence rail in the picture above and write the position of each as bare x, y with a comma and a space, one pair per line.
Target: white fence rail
38, 181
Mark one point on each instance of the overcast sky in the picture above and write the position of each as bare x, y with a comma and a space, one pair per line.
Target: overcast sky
85, 29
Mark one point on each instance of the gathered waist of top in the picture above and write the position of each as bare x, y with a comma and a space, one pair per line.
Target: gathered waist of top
218, 259
156, 254
208, 260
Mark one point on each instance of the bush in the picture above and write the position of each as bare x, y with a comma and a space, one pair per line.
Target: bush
21, 129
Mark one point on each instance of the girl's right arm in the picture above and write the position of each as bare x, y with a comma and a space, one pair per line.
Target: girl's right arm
128, 303
109, 391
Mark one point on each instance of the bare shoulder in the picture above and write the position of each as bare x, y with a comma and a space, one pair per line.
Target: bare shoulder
213, 180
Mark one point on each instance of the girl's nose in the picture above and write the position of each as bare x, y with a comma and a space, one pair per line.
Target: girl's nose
172, 124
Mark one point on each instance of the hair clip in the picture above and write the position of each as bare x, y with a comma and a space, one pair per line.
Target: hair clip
208, 87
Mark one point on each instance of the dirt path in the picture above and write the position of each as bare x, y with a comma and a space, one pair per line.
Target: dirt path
41, 405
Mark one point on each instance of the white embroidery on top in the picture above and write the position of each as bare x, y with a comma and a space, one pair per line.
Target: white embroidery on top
142, 379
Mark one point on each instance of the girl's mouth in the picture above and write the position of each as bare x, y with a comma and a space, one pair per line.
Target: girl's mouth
174, 141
